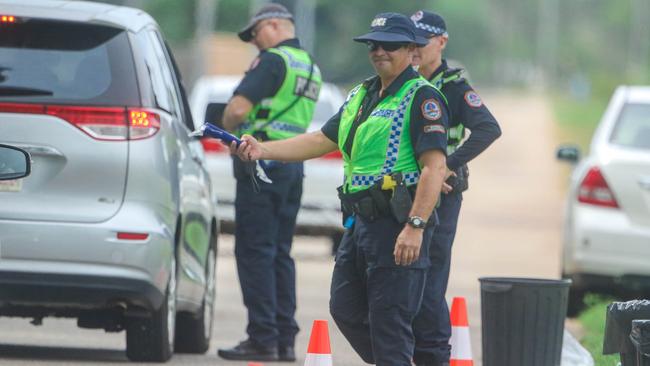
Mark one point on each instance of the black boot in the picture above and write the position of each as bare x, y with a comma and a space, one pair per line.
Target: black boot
249, 350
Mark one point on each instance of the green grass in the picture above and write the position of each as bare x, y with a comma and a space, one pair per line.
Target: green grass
577, 119
593, 321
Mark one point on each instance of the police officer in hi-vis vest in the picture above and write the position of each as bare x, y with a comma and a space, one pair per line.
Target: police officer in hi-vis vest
274, 101
431, 326
392, 135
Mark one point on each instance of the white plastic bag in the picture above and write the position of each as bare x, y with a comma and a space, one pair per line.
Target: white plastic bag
573, 354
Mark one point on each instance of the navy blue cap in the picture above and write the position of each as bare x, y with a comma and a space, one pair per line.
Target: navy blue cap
392, 27
268, 11
428, 24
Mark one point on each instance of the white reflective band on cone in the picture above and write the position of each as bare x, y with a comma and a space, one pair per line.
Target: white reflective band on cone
460, 343
314, 359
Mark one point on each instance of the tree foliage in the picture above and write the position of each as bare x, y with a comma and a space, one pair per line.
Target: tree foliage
501, 42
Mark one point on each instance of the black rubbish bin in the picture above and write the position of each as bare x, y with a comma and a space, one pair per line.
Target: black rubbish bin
640, 337
523, 320
618, 327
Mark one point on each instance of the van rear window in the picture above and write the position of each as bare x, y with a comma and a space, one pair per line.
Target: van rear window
65, 62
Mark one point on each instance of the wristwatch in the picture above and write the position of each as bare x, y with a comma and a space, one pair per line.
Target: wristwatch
417, 222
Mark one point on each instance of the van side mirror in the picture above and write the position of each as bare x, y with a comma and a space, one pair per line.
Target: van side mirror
15, 163
569, 153
214, 114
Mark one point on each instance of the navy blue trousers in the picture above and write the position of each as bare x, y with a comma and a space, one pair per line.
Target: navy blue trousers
373, 301
265, 223
431, 327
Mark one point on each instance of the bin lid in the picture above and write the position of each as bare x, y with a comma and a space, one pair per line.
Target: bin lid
526, 281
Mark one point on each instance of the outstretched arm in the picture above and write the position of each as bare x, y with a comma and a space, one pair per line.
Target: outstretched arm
302, 147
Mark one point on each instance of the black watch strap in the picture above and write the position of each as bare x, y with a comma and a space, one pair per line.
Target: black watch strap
417, 222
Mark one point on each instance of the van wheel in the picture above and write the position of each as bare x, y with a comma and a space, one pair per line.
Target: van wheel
152, 339
194, 331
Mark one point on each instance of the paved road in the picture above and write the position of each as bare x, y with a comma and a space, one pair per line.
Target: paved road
511, 218
510, 226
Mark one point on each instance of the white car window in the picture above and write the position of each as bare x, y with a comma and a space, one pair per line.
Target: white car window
633, 127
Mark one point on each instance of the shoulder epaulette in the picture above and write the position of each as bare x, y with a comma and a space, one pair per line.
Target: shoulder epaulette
454, 75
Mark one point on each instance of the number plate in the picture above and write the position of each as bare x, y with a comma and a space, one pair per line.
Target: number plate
15, 185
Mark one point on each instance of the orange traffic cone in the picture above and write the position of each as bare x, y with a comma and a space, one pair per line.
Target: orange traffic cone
461, 347
319, 352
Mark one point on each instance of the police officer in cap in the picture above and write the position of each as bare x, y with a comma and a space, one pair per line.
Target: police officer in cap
431, 326
274, 101
392, 135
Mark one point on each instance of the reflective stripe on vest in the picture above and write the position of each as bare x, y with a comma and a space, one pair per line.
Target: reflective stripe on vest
409, 178
277, 125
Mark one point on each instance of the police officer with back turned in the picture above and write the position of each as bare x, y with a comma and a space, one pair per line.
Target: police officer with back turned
431, 326
392, 135
274, 101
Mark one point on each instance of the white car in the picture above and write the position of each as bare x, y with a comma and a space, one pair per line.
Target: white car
320, 212
607, 226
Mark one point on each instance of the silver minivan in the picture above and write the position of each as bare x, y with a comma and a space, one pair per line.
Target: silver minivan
115, 226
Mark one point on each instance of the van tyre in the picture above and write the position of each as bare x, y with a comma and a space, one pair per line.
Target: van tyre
152, 339
193, 331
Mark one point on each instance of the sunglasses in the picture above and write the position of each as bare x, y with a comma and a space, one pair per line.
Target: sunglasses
386, 46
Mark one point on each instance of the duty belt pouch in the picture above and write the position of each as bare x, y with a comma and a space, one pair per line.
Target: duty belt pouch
380, 200
366, 208
401, 202
463, 182
459, 183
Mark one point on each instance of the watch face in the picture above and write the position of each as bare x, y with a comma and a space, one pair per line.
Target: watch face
416, 222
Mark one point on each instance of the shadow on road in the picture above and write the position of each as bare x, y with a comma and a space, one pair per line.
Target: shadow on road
11, 351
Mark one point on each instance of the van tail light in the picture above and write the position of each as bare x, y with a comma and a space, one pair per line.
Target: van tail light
334, 155
213, 146
594, 190
143, 123
100, 123
7, 19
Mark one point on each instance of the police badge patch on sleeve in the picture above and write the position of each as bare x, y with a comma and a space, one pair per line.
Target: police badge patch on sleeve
473, 99
431, 110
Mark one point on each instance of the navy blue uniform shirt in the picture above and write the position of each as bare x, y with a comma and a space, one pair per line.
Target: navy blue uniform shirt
468, 109
265, 75
427, 131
